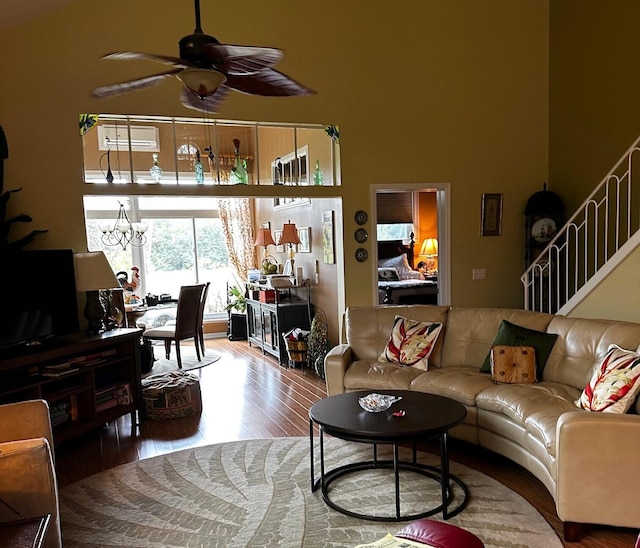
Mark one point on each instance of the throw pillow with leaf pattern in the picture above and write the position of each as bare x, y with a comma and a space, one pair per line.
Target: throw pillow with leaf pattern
615, 383
411, 342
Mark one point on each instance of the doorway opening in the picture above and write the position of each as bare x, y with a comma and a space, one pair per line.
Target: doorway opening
412, 213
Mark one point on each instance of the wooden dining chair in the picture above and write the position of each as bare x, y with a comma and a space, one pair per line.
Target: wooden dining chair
200, 319
185, 326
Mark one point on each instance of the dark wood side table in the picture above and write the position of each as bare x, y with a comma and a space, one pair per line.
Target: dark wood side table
24, 533
426, 416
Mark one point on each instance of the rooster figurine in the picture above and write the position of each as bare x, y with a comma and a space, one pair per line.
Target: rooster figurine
130, 286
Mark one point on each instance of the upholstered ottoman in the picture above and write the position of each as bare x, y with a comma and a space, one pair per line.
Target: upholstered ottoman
439, 535
171, 395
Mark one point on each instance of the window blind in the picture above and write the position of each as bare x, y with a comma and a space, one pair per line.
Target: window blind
394, 207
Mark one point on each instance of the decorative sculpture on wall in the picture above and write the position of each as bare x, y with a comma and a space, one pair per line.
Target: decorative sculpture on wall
7, 224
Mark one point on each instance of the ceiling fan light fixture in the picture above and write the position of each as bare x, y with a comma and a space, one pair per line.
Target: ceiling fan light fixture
201, 82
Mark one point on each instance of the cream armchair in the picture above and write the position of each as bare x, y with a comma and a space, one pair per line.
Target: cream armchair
28, 486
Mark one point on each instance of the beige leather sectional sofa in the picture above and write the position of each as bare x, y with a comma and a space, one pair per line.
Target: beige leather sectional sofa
587, 460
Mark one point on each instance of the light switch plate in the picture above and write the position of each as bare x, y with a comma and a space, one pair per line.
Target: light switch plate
479, 274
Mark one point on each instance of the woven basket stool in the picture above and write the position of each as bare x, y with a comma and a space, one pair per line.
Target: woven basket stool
171, 395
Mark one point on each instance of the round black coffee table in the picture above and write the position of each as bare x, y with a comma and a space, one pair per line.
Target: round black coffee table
425, 416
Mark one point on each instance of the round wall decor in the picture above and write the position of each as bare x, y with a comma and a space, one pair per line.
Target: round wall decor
361, 254
361, 235
361, 217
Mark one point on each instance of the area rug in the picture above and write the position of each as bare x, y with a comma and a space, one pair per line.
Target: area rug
257, 493
189, 359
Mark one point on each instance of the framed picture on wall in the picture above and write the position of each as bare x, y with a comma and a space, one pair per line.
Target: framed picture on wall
304, 233
277, 234
328, 254
491, 215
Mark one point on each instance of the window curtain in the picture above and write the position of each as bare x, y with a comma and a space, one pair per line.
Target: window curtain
236, 215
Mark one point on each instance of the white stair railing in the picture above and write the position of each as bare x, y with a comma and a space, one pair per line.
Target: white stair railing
604, 223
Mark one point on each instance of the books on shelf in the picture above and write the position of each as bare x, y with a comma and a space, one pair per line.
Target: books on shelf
64, 410
94, 358
118, 394
59, 369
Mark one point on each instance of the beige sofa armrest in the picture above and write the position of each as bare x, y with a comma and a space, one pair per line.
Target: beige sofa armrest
336, 363
597, 479
28, 486
24, 420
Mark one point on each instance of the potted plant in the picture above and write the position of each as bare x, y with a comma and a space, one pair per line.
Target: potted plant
237, 326
237, 300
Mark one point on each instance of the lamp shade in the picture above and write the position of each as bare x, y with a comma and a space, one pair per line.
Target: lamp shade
429, 247
202, 82
264, 237
93, 272
289, 234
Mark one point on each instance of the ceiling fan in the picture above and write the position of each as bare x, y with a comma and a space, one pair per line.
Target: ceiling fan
209, 70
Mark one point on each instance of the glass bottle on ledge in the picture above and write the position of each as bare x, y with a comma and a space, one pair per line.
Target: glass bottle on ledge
156, 170
198, 169
239, 174
318, 177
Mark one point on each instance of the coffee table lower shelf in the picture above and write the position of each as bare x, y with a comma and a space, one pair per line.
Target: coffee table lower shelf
441, 475
428, 471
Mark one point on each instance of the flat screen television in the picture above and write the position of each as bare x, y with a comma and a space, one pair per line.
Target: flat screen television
38, 300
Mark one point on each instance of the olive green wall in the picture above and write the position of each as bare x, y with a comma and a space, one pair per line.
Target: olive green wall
424, 92
594, 90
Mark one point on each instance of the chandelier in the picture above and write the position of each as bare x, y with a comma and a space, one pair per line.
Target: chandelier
124, 232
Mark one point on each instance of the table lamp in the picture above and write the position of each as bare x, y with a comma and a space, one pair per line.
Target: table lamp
429, 250
264, 238
93, 273
289, 236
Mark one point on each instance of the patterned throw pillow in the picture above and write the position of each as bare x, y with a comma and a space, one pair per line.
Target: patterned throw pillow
400, 263
411, 342
614, 384
388, 274
511, 334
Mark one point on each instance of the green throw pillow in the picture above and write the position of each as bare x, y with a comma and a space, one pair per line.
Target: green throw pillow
516, 335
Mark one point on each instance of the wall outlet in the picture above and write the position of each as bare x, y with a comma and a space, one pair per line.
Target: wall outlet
479, 274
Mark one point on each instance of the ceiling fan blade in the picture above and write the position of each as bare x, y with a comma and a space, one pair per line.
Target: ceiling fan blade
268, 82
241, 60
210, 103
133, 85
138, 56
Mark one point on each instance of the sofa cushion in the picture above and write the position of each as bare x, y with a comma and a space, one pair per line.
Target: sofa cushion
365, 375
460, 383
615, 383
582, 345
515, 335
469, 332
367, 328
411, 342
537, 407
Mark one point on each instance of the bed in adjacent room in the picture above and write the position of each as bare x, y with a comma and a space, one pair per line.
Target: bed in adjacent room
398, 282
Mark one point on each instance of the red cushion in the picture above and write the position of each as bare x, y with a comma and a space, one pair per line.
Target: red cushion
439, 535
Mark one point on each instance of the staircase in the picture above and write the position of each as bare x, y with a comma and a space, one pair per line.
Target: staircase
599, 235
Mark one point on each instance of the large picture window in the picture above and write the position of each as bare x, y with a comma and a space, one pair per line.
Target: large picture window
184, 246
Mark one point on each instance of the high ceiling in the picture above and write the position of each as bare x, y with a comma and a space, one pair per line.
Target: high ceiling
14, 13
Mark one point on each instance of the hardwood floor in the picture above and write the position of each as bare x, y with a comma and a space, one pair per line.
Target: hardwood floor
247, 395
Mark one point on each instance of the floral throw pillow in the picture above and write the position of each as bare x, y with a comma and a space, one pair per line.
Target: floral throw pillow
411, 342
614, 384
